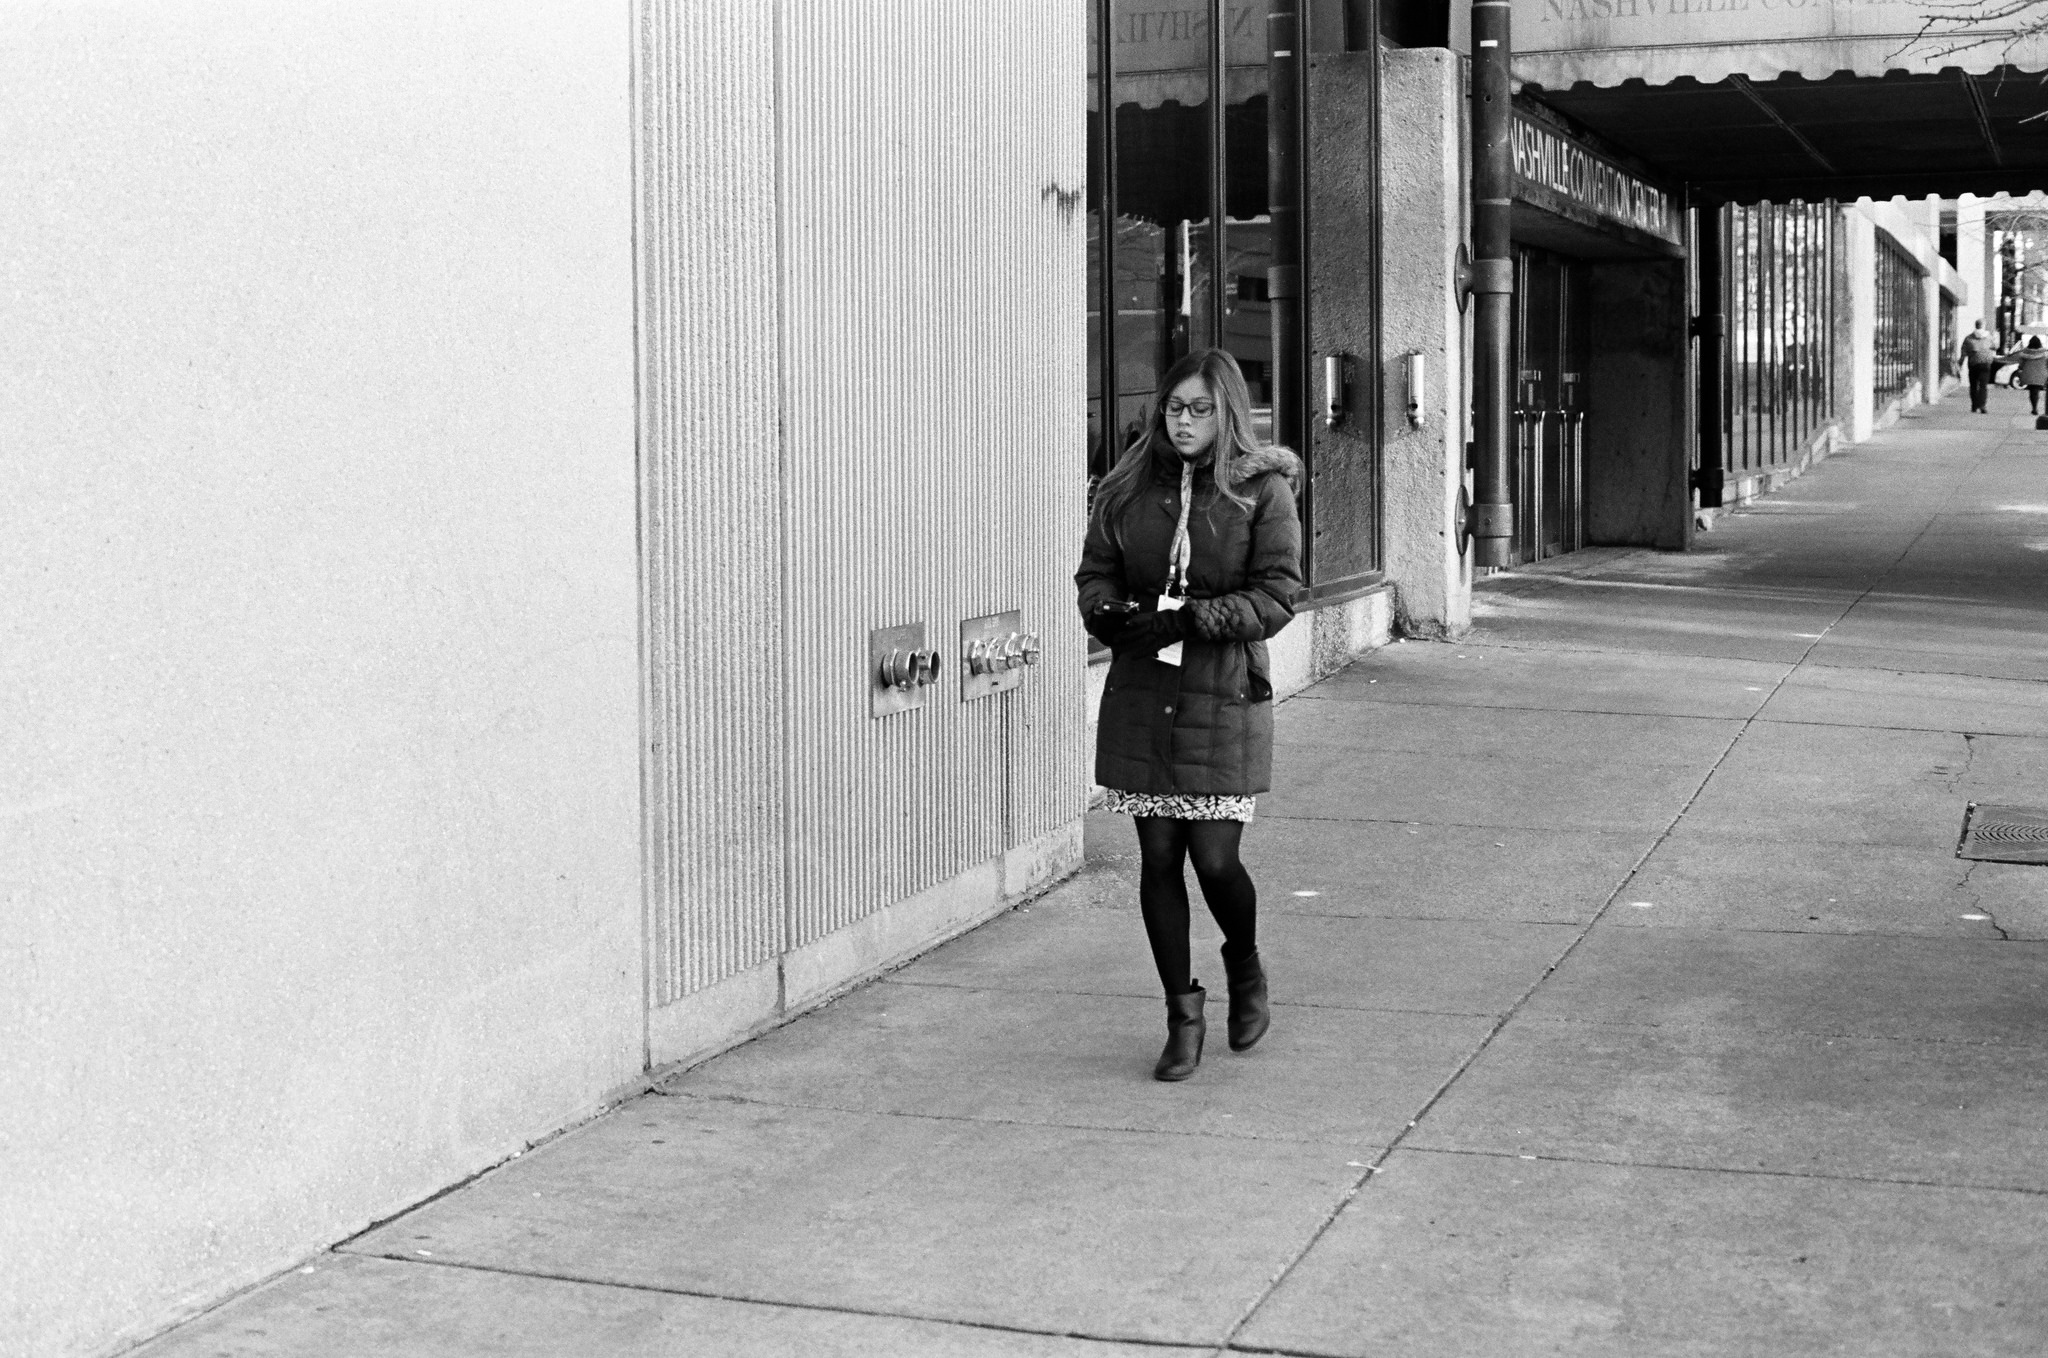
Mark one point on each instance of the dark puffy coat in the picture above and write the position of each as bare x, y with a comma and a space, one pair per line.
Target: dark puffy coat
1205, 725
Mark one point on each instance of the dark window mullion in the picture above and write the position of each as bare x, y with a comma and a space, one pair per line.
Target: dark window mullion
1219, 183
1109, 374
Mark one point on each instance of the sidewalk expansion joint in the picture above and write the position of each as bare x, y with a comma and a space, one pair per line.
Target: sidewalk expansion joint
1574, 830
1230, 1138
1152, 1001
1934, 674
1896, 934
1759, 1030
1756, 1171
1296, 910
706, 1294
1908, 730
1527, 707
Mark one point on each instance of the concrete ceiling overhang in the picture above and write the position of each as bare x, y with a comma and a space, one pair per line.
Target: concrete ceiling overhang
1843, 136
1781, 99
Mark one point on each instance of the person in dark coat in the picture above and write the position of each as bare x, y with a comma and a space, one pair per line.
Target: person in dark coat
2033, 361
1192, 562
1980, 354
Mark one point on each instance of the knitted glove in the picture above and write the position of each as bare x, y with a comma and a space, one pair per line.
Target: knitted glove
1230, 618
1148, 633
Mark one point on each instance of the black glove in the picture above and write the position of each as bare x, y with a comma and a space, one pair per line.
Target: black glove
1107, 622
1149, 633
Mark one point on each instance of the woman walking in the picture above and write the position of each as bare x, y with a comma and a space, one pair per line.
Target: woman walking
1192, 561
2033, 373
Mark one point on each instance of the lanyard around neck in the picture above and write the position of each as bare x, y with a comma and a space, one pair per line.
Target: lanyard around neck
1183, 550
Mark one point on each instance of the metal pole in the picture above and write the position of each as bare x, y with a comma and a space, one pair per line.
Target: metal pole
1219, 178
1106, 299
1710, 328
1493, 284
1361, 25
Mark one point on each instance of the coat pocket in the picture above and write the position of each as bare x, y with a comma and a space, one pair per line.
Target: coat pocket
1258, 673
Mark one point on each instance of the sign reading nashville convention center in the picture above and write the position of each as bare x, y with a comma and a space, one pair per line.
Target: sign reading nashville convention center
1565, 25
1554, 162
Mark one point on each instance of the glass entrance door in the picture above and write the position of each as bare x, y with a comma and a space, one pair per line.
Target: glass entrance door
1550, 404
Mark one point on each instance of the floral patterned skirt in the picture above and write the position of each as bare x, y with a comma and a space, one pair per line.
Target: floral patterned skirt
1179, 805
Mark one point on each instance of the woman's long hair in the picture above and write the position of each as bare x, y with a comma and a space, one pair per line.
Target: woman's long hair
1154, 448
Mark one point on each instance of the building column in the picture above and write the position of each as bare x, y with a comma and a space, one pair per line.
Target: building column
1423, 223
1858, 300
1973, 257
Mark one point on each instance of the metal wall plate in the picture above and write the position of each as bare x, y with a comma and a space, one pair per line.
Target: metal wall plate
977, 636
885, 644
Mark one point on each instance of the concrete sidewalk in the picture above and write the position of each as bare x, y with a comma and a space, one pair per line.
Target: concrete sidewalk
1631, 1001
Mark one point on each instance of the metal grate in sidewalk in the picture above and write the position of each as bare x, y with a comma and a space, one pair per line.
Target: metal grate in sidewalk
2004, 834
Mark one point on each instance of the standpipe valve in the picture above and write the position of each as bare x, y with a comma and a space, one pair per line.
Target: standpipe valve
907, 669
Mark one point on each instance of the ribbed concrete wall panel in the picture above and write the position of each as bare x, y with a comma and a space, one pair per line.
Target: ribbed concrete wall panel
712, 541
932, 359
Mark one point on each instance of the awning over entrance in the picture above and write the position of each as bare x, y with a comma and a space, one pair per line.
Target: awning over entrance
1606, 42
1782, 99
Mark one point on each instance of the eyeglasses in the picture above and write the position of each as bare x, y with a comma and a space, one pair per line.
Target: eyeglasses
1201, 410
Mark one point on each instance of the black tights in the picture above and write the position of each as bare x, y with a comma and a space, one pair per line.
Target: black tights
1164, 845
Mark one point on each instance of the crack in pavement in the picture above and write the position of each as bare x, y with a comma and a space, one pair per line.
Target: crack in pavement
1977, 905
1955, 782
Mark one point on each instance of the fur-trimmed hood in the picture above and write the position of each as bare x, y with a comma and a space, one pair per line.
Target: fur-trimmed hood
1248, 467
1272, 458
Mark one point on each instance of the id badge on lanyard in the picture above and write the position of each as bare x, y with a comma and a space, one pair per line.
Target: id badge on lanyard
1169, 603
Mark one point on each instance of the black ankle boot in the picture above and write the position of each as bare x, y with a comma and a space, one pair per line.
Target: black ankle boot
1249, 1014
1185, 1028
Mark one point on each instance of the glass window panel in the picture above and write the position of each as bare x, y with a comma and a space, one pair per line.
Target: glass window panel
1248, 315
1160, 126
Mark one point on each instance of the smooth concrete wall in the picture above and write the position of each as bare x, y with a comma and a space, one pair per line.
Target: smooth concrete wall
1637, 458
1423, 181
1973, 249
320, 863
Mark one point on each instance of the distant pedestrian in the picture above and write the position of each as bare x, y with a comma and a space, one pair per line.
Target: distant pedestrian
1193, 560
2033, 361
1980, 355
